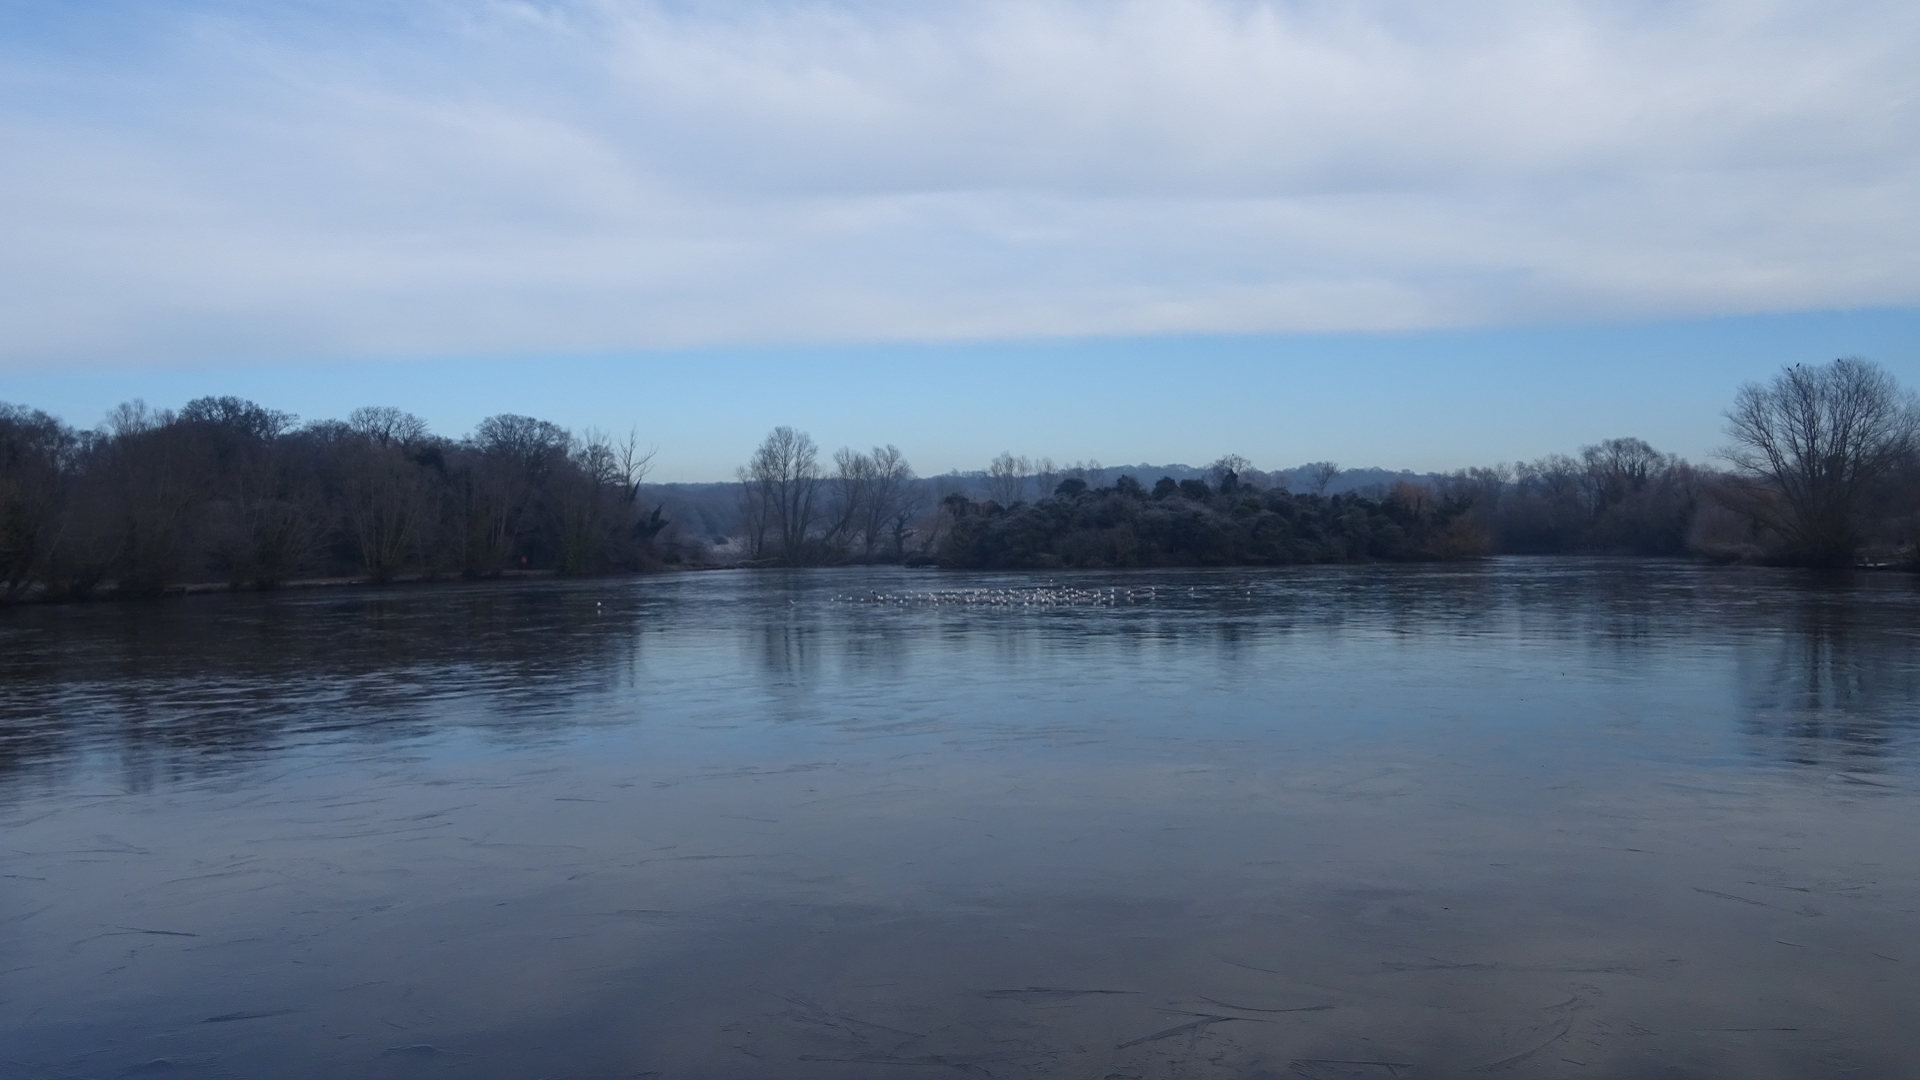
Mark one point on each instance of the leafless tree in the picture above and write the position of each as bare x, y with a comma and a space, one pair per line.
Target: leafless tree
1552, 503
633, 465
1228, 465
1618, 469
779, 495
890, 503
1046, 477
1088, 471
587, 503
135, 418
35, 452
150, 477
386, 503
387, 425
262, 514
1007, 479
1319, 475
1813, 442
754, 511
512, 457
851, 491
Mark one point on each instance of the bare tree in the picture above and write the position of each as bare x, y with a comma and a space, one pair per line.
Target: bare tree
632, 464
1319, 475
1260, 478
889, 503
151, 477
387, 425
852, 481
513, 456
1007, 479
135, 418
1813, 442
1228, 465
754, 511
35, 454
780, 489
260, 520
1086, 471
1549, 508
630, 468
1046, 477
1618, 469
586, 504
385, 502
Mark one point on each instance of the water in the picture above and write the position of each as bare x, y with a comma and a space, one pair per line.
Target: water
1527, 818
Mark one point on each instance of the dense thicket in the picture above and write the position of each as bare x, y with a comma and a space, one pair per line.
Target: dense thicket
1193, 523
226, 490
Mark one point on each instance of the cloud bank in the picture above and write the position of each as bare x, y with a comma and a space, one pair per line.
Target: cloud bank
259, 180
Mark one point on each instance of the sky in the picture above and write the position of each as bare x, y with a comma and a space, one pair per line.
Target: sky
1385, 232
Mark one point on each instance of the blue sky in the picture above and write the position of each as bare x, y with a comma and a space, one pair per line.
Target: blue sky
1388, 233
1425, 400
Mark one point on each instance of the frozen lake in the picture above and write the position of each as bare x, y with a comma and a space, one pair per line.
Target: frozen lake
1528, 818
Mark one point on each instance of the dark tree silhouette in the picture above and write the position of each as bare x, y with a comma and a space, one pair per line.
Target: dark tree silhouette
1812, 444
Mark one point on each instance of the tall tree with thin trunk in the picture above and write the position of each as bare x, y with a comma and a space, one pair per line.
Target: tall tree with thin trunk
852, 481
889, 503
1007, 479
780, 491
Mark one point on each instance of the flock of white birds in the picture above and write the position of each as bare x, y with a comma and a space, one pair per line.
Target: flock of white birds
1040, 596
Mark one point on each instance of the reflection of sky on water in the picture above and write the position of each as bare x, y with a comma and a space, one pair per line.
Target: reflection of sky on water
684, 823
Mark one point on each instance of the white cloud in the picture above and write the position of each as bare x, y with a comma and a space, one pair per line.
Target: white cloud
246, 182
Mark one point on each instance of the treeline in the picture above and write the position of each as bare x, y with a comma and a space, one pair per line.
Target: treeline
1825, 470
1620, 496
870, 507
225, 490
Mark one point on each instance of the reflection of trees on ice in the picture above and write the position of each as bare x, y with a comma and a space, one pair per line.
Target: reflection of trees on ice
1823, 688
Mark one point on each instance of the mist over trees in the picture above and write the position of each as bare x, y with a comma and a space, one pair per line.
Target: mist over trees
226, 490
